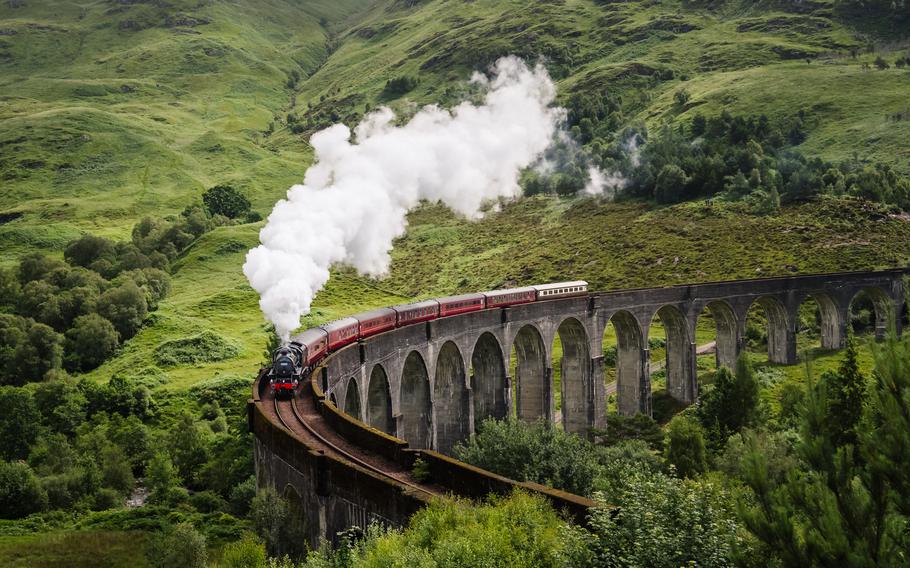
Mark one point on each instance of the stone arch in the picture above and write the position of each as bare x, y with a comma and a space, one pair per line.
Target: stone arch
488, 379
727, 341
415, 405
632, 381
680, 355
882, 304
781, 342
352, 406
575, 371
531, 376
832, 326
297, 525
379, 402
450, 398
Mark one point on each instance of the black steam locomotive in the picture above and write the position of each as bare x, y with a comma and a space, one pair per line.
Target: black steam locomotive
287, 370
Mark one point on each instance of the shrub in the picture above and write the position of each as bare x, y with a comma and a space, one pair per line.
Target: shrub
225, 200
520, 531
637, 427
203, 348
663, 521
178, 546
532, 452
686, 447
207, 502
242, 496
248, 552
161, 478
107, 498
20, 492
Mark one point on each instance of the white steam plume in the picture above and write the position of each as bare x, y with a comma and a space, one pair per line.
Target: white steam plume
354, 199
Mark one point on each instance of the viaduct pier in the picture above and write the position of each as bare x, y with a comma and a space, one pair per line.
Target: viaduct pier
344, 448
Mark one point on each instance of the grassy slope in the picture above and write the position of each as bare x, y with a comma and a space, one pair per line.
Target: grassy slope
104, 122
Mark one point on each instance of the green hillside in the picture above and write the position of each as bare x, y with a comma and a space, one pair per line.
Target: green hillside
114, 110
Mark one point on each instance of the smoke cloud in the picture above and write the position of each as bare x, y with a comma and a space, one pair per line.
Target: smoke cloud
354, 199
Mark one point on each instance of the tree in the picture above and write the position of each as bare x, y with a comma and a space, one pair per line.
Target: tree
161, 478
88, 249
90, 342
686, 447
269, 513
125, 307
36, 266
671, 184
178, 546
188, 448
62, 405
225, 200
881, 64
20, 492
851, 504
20, 423
846, 391
116, 471
732, 404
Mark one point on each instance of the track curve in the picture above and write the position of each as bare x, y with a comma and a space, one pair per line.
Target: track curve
300, 416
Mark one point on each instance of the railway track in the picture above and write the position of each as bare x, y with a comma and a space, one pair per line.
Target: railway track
305, 429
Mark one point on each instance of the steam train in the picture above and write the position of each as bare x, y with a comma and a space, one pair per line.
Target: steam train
293, 362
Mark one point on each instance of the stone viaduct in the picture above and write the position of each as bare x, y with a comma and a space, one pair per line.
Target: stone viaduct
430, 384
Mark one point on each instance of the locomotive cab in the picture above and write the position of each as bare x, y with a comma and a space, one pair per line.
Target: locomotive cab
287, 363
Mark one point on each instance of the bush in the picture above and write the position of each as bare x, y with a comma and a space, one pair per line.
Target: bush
242, 496
225, 200
661, 521
181, 546
246, 553
637, 427
161, 479
203, 348
686, 447
520, 531
207, 502
532, 452
107, 498
20, 492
